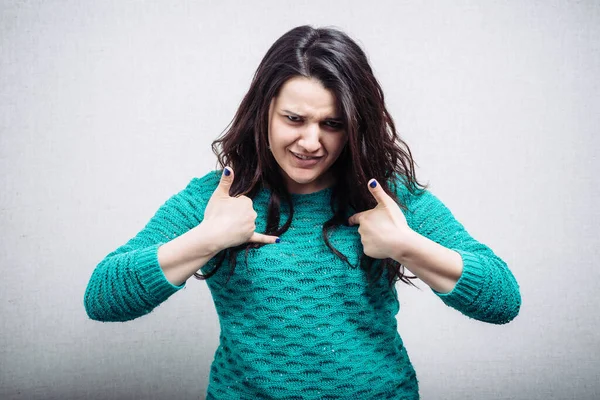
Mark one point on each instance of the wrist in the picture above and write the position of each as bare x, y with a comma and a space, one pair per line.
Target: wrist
207, 247
405, 241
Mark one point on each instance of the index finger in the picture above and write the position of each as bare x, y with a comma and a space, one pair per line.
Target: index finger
355, 219
262, 238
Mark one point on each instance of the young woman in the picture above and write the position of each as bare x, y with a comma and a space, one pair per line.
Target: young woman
302, 234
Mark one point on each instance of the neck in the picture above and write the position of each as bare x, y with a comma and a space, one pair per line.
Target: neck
321, 183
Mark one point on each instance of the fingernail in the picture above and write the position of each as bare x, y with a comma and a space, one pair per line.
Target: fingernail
373, 184
226, 171
277, 240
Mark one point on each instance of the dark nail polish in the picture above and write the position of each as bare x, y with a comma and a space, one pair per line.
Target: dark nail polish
373, 184
277, 240
227, 172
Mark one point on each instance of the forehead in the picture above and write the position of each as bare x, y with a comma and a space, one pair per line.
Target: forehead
307, 97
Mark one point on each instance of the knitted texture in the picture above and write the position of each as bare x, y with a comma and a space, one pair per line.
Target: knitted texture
296, 321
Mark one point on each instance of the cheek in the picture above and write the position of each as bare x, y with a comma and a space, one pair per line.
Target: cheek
335, 145
281, 135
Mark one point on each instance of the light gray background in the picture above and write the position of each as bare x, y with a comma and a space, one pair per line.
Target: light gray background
107, 108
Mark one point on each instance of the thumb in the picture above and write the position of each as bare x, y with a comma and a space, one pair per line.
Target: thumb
226, 181
378, 193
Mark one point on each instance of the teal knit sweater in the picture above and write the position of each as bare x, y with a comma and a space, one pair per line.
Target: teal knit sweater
296, 321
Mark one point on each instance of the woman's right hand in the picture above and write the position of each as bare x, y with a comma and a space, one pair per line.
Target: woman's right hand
231, 220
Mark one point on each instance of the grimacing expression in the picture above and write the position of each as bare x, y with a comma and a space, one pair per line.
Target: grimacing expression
306, 134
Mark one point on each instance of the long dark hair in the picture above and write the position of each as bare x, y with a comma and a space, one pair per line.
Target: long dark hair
374, 149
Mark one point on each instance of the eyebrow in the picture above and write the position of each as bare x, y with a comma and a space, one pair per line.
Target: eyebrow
338, 119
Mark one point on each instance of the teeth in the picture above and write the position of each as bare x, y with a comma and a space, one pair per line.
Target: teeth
303, 157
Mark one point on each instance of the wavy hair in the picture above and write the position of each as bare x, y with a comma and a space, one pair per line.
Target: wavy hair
373, 150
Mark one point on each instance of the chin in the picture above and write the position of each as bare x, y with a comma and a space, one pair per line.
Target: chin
302, 179
305, 181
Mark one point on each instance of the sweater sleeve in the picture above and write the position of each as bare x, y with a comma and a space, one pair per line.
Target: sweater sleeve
486, 290
129, 282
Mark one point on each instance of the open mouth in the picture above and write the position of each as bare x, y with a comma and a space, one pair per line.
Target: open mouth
303, 157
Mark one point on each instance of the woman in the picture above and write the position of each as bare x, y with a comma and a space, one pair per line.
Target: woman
302, 235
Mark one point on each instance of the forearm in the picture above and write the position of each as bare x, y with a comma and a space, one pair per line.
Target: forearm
183, 256
434, 264
463, 272
127, 284
470, 278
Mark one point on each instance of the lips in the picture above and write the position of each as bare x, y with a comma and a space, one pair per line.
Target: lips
304, 161
305, 157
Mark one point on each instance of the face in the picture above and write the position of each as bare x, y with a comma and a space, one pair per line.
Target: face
306, 134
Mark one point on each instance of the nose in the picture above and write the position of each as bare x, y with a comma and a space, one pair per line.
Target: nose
310, 138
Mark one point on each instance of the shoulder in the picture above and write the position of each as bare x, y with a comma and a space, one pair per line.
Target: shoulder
425, 211
205, 184
406, 192
419, 201
196, 193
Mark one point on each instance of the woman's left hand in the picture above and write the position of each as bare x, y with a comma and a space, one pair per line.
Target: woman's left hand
382, 228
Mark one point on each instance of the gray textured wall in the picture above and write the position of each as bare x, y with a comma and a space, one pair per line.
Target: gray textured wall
107, 108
